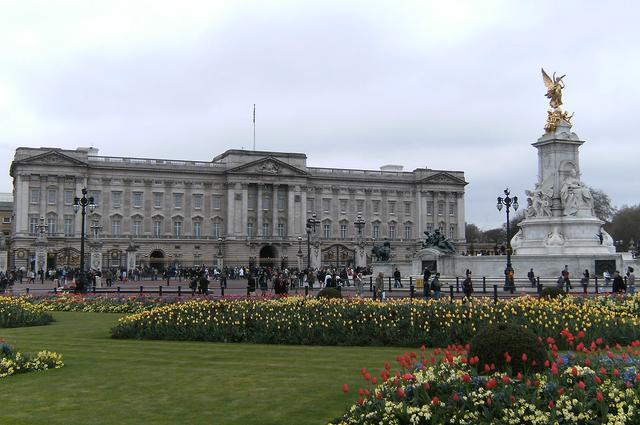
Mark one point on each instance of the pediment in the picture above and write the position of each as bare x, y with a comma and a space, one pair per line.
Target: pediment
268, 166
443, 178
50, 158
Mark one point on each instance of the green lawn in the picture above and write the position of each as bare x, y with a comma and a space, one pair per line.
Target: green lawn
106, 381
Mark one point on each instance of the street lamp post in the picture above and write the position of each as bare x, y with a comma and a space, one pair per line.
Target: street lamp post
359, 223
81, 204
311, 226
508, 202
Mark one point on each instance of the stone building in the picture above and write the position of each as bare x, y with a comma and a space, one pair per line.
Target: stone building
241, 207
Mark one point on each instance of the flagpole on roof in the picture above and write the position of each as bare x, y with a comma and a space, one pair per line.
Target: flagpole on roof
254, 126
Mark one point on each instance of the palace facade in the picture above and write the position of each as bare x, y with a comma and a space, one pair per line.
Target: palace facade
243, 207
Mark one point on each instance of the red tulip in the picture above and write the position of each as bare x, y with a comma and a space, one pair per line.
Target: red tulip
561, 391
582, 385
466, 377
506, 379
426, 386
345, 388
489, 401
456, 397
599, 396
552, 404
436, 400
401, 392
491, 383
574, 371
524, 357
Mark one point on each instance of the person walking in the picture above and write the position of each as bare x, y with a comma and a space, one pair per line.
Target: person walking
426, 275
618, 283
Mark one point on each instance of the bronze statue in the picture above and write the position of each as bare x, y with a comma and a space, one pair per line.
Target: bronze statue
555, 115
438, 241
382, 252
554, 89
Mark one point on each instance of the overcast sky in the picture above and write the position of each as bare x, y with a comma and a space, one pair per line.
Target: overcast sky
451, 85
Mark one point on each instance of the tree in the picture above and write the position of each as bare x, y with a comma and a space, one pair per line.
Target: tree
497, 235
602, 205
473, 233
625, 225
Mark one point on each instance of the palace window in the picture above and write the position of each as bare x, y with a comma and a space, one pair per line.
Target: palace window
392, 207
343, 231
137, 199
33, 225
197, 228
452, 208
452, 231
375, 233
137, 227
68, 226
34, 195
197, 201
68, 197
429, 207
116, 226
407, 208
376, 206
360, 206
407, 232
281, 229
51, 224
326, 228
441, 208
216, 230
157, 227
177, 228
326, 205
116, 199
392, 231
177, 200
343, 206
52, 196
216, 202
157, 199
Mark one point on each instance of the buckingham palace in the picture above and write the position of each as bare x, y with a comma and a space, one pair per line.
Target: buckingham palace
242, 207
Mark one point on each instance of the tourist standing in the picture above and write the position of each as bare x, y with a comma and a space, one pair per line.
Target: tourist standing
618, 283
357, 282
565, 277
397, 277
426, 275
379, 285
607, 277
631, 281
467, 285
532, 277
585, 278
436, 286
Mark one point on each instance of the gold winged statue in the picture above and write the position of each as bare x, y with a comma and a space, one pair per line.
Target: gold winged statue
554, 89
554, 93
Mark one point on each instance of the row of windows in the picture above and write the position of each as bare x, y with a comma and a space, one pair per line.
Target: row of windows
327, 204
137, 199
344, 204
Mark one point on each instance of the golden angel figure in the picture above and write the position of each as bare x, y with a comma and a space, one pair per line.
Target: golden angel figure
554, 89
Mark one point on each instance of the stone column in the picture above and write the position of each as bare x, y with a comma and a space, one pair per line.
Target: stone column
245, 209
303, 211
20, 209
3, 260
231, 201
290, 212
259, 212
460, 216
41, 256
420, 217
274, 202
131, 258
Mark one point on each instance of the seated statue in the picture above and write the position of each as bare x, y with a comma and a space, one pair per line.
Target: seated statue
575, 195
438, 241
382, 252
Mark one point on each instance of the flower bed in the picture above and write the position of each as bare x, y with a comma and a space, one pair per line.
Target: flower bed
17, 312
599, 386
12, 362
98, 303
401, 322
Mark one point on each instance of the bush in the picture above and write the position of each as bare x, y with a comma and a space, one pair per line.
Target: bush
551, 292
329, 293
504, 345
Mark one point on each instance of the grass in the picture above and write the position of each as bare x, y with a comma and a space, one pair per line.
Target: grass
107, 381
